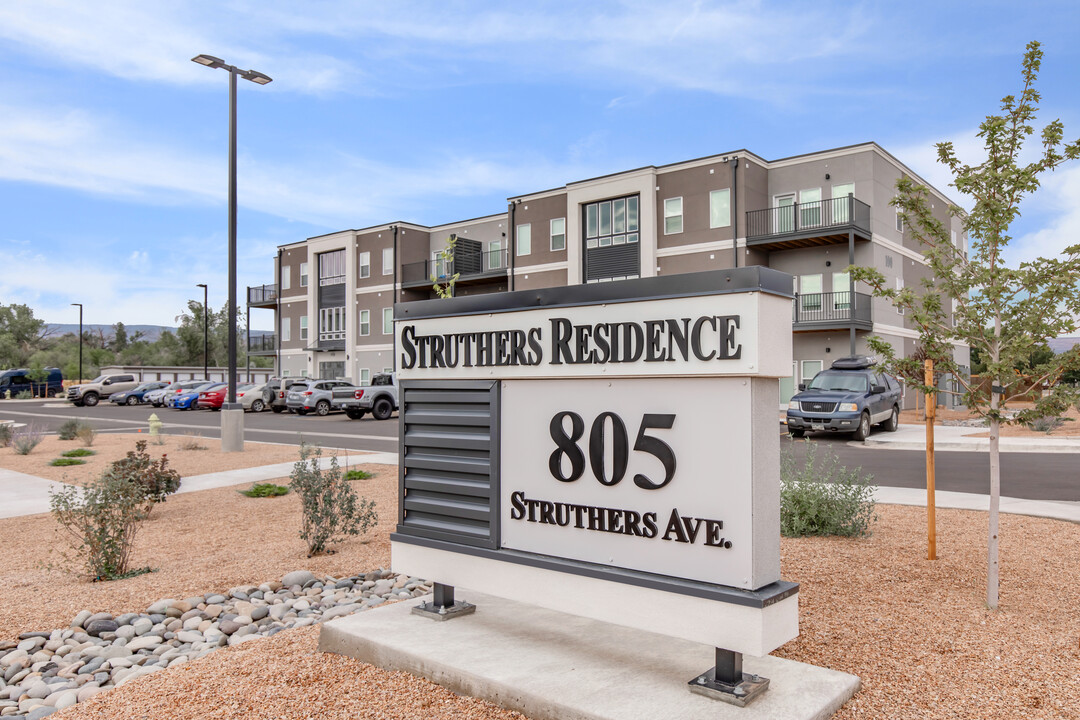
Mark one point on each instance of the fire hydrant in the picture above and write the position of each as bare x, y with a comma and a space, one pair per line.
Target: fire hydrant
155, 424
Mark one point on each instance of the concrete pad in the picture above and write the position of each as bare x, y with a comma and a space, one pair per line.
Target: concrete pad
22, 494
554, 666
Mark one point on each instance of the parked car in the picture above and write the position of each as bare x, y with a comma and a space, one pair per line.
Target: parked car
100, 388
318, 396
848, 397
256, 398
215, 397
138, 395
18, 380
158, 398
281, 386
189, 399
380, 398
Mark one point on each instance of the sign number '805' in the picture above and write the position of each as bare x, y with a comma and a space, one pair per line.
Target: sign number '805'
567, 446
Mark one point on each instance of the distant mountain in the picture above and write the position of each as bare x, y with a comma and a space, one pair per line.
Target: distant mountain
1062, 344
150, 332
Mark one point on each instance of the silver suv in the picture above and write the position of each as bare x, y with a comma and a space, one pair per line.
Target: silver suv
280, 387
318, 396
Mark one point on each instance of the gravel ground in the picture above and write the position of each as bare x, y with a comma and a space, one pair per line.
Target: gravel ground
1071, 428
109, 447
916, 632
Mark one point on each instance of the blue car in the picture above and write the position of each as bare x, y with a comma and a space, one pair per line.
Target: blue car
190, 400
138, 395
849, 397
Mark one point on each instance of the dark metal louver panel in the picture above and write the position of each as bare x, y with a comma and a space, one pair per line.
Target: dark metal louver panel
468, 257
612, 261
450, 461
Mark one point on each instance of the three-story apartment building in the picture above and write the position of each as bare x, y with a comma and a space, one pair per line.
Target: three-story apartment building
811, 216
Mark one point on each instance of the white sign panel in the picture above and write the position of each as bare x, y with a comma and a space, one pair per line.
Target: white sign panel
747, 334
652, 475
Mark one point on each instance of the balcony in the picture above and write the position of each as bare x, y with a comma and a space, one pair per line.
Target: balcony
262, 296
831, 311
262, 344
472, 267
799, 225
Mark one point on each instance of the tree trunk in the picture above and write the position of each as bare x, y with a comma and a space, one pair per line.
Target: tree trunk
995, 497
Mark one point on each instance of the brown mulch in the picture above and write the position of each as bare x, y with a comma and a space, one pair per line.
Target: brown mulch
113, 446
916, 632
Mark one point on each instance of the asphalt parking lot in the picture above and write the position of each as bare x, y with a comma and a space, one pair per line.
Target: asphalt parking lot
335, 430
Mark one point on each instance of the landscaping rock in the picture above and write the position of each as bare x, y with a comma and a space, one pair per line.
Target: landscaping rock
94, 628
297, 577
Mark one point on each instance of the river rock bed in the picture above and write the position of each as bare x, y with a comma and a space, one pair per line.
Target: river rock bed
49, 670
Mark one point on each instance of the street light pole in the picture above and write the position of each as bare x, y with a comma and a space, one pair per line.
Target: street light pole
80, 340
232, 416
205, 333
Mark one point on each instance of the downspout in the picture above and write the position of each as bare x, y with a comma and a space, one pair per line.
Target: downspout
511, 243
277, 329
734, 214
393, 340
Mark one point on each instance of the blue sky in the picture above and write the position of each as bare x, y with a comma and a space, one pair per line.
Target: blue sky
113, 143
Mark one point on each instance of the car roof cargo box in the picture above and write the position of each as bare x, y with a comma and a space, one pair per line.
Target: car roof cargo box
853, 362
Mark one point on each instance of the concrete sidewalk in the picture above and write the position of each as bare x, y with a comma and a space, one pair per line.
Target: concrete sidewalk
913, 437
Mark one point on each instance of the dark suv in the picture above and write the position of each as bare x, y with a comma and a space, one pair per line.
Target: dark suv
848, 397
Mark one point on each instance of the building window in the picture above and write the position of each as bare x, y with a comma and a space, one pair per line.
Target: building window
841, 212
888, 261
388, 321
899, 287
841, 290
673, 216
558, 234
365, 264
810, 207
332, 323
365, 376
611, 222
388, 370
286, 329
303, 327
494, 256
899, 221
303, 274
720, 208
286, 277
388, 261
524, 239
810, 298
810, 368
365, 322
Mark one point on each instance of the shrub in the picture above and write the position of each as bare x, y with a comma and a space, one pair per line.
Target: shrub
26, 438
102, 520
331, 508
24, 395
86, 435
358, 475
192, 442
66, 461
155, 479
822, 497
5, 435
1046, 424
78, 452
69, 430
261, 490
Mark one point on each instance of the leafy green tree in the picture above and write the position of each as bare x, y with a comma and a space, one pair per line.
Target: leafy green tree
120, 337
21, 335
443, 282
1005, 312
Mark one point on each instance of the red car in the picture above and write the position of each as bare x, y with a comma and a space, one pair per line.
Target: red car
214, 398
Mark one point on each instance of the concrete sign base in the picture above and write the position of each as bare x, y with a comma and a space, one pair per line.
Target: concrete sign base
559, 666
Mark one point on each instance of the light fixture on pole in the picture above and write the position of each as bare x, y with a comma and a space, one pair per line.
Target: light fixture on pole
232, 415
205, 333
80, 340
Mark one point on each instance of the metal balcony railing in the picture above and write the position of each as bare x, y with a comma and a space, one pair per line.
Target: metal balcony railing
800, 218
476, 264
262, 343
832, 307
262, 294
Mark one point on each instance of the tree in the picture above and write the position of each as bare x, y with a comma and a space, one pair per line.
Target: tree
120, 337
21, 335
443, 282
1005, 312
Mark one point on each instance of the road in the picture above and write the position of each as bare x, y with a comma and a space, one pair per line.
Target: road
1032, 476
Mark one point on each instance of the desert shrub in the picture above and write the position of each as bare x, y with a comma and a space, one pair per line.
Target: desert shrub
192, 442
262, 490
1046, 424
24, 395
154, 478
5, 435
86, 435
358, 475
69, 430
26, 438
822, 497
102, 520
331, 509
66, 461
78, 452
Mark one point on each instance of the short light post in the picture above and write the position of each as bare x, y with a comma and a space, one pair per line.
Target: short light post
205, 333
80, 339
232, 413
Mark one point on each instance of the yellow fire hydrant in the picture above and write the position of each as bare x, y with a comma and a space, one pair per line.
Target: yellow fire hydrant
155, 424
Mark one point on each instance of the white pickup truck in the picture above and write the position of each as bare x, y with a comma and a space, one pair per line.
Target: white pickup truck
380, 398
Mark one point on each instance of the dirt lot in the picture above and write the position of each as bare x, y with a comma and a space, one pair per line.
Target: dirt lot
916, 632
1071, 428
109, 447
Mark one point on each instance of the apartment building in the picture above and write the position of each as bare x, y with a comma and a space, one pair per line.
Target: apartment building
811, 216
